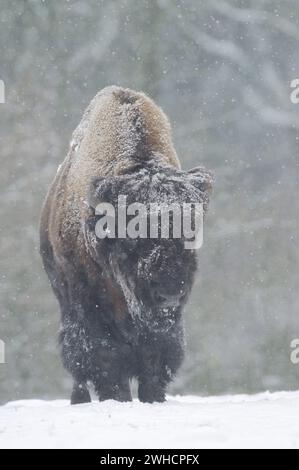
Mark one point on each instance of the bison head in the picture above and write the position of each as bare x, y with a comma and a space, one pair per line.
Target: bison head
154, 274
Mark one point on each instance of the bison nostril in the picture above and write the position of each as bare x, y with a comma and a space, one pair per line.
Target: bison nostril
165, 299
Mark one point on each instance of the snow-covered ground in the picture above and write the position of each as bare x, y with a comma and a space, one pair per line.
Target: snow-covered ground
258, 421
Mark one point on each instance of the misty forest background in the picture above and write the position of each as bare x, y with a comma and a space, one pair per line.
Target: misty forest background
222, 71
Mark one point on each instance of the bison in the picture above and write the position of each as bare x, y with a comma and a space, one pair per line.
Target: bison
121, 299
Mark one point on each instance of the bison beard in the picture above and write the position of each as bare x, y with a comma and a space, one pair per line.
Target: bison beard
121, 300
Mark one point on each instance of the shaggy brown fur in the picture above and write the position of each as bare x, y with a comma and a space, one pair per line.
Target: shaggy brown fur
121, 132
116, 125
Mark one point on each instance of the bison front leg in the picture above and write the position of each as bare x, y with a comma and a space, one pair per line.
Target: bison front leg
150, 391
160, 359
111, 376
152, 383
80, 394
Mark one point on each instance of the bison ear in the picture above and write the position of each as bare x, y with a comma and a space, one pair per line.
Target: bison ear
202, 179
